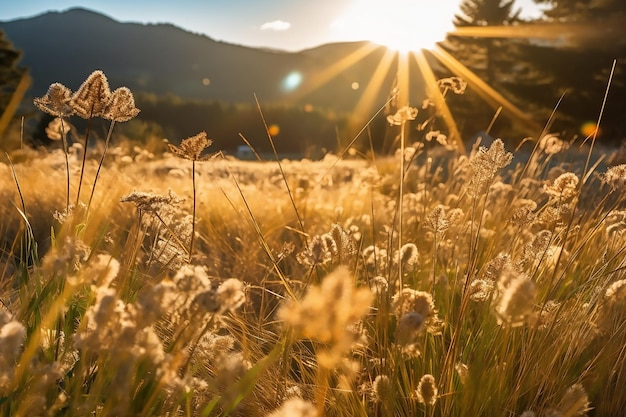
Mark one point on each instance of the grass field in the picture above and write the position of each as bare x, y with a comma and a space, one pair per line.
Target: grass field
430, 283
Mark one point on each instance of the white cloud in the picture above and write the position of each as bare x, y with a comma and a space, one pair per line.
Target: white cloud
277, 25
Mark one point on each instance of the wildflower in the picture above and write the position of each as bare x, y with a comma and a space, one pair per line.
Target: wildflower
563, 188
382, 389
484, 165
121, 106
409, 300
574, 402
192, 148
409, 327
327, 310
481, 289
438, 136
516, 296
552, 145
231, 294
437, 220
56, 129
427, 390
456, 84
319, 251
379, 285
615, 177
12, 336
407, 257
295, 407
151, 203
403, 114
92, 97
344, 243
56, 102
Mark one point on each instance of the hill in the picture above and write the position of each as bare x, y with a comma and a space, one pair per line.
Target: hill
165, 59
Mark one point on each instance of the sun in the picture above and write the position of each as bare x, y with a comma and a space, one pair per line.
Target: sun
401, 25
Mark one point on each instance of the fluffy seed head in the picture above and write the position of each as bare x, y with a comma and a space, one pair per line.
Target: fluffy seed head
427, 390
192, 147
121, 106
56, 101
92, 97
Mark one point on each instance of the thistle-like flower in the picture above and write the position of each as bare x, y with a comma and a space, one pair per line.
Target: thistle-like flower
455, 84
403, 114
427, 390
92, 97
56, 102
484, 166
121, 106
563, 188
615, 177
192, 148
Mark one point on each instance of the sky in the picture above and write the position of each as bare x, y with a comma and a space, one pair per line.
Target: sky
290, 25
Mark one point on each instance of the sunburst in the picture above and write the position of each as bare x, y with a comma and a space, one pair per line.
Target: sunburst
407, 49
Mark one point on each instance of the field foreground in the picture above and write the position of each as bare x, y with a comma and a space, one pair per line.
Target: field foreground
436, 285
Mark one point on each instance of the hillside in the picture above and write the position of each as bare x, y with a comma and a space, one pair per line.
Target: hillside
162, 58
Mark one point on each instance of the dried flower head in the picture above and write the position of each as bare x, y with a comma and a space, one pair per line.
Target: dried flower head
121, 106
455, 84
574, 402
563, 188
404, 114
615, 177
438, 136
319, 251
92, 97
231, 294
56, 101
410, 300
516, 297
328, 309
408, 257
192, 148
484, 166
410, 326
551, 144
151, 203
427, 390
295, 407
382, 389
57, 128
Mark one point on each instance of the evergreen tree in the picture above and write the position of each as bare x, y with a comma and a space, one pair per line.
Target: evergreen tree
481, 54
14, 81
579, 65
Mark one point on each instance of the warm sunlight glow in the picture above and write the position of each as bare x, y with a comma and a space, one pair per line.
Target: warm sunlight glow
401, 25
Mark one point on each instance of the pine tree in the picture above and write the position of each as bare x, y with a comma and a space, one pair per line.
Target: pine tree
14, 81
481, 54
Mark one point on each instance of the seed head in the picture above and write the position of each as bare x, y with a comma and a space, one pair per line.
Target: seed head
615, 177
403, 114
56, 101
192, 147
92, 97
121, 106
427, 390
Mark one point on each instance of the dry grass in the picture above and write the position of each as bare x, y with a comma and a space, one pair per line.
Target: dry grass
499, 290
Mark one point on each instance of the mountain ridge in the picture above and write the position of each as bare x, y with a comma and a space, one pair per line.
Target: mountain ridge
162, 58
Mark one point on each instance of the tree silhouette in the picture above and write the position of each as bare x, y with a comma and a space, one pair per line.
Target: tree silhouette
14, 81
480, 54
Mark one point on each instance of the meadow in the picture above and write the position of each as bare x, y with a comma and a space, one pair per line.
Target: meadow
430, 282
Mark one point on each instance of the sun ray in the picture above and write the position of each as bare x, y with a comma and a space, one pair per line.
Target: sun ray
566, 33
365, 105
434, 93
332, 71
484, 90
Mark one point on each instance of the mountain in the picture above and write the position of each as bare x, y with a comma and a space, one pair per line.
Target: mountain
67, 46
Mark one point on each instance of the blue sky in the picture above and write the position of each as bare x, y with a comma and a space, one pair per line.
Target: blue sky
284, 24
